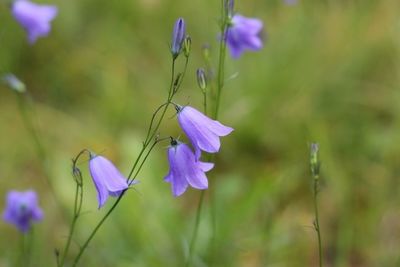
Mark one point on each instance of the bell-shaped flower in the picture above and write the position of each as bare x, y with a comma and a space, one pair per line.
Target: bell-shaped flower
203, 132
22, 209
185, 169
106, 177
34, 18
243, 34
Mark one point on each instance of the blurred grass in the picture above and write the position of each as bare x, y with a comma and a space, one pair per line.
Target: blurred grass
329, 73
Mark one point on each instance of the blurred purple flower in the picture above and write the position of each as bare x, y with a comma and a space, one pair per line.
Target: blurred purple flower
21, 209
290, 2
202, 131
34, 18
185, 169
243, 34
178, 35
106, 177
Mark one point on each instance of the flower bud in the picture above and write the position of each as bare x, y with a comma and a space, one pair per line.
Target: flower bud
201, 79
187, 45
228, 5
14, 83
77, 174
178, 36
314, 160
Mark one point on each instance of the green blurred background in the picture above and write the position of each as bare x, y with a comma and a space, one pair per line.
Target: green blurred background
329, 73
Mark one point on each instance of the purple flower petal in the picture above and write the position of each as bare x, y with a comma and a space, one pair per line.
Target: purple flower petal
185, 169
107, 178
243, 35
34, 18
202, 131
22, 209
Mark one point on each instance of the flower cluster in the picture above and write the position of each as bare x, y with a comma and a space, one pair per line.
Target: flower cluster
185, 166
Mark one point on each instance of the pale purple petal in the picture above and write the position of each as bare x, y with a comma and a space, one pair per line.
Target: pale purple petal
107, 178
202, 131
244, 34
34, 18
185, 169
205, 166
22, 209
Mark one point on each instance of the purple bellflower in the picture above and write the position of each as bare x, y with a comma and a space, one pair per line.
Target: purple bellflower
243, 34
185, 169
22, 209
34, 18
178, 36
106, 177
290, 2
203, 132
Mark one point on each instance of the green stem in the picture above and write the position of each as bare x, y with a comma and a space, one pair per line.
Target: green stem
316, 222
150, 135
83, 248
77, 206
220, 85
196, 228
40, 150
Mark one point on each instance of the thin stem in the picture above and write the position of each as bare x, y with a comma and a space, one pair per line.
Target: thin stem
221, 62
205, 102
77, 206
316, 222
96, 229
150, 135
220, 85
40, 150
196, 228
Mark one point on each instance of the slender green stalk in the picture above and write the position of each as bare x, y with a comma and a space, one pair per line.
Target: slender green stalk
196, 229
221, 62
77, 208
151, 134
24, 257
28, 121
84, 246
219, 87
315, 170
316, 222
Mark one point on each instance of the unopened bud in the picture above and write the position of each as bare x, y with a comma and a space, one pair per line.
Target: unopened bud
178, 36
314, 160
206, 51
228, 5
14, 83
201, 79
187, 45
77, 174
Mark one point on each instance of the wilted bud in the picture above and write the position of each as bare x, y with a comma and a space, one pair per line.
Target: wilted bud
178, 36
14, 83
314, 160
187, 45
201, 79
228, 5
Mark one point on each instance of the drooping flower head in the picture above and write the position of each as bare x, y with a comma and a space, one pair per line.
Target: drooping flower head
185, 169
203, 132
243, 34
106, 177
22, 209
178, 36
34, 18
